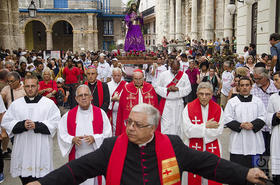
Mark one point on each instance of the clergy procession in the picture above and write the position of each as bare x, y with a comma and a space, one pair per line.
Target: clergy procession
158, 123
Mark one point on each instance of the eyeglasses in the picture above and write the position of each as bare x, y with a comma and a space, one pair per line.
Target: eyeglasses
11, 81
83, 95
137, 124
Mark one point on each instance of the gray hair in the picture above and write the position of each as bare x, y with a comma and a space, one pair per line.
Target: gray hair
14, 74
9, 63
151, 112
205, 85
117, 69
262, 72
227, 63
83, 85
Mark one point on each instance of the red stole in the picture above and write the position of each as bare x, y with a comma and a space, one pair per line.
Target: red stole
97, 125
118, 90
129, 99
99, 90
174, 82
167, 163
195, 115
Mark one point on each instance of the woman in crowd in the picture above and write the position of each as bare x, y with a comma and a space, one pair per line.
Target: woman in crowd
250, 63
48, 87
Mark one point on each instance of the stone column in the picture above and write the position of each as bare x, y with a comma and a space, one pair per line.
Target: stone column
162, 12
15, 32
188, 18
90, 32
179, 23
95, 33
209, 20
4, 24
76, 40
171, 20
22, 39
194, 20
227, 22
49, 40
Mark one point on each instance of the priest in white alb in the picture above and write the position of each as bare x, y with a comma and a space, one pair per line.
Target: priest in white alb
273, 118
201, 127
245, 115
32, 121
83, 129
115, 88
172, 86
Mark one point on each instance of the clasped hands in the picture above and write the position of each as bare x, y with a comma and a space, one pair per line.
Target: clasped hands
246, 126
212, 124
29, 125
172, 88
77, 140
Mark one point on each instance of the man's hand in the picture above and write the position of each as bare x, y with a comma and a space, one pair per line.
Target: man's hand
247, 126
254, 174
89, 139
77, 140
29, 125
49, 95
34, 183
212, 124
116, 97
48, 90
172, 88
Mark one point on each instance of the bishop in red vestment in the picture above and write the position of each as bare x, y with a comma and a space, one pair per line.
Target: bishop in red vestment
136, 92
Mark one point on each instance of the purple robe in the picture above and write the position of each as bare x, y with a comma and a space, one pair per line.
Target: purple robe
134, 40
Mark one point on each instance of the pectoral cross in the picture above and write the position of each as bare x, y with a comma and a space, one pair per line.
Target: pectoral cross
195, 120
148, 96
212, 148
196, 146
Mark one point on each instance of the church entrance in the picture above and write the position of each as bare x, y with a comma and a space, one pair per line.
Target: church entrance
35, 36
62, 34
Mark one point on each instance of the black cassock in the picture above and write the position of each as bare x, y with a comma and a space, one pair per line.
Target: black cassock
141, 165
106, 96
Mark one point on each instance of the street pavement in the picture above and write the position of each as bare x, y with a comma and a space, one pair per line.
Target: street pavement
59, 160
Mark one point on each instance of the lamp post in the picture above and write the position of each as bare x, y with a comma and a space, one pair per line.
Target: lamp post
32, 10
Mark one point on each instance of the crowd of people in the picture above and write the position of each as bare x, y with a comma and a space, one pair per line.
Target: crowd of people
197, 93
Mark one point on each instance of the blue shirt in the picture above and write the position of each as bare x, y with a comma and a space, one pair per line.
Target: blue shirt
275, 51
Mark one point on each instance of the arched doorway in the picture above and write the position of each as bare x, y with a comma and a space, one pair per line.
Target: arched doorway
35, 36
62, 34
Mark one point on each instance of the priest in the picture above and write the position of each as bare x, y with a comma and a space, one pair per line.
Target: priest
99, 90
273, 118
201, 127
143, 155
135, 92
245, 115
115, 88
173, 85
32, 121
83, 129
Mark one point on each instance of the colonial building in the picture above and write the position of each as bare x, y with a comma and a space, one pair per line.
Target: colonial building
9, 29
252, 21
71, 24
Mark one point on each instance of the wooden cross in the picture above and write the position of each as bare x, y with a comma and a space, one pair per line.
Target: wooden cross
167, 172
212, 148
195, 120
196, 146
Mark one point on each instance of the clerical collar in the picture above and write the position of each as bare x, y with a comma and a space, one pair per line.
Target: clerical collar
144, 144
32, 100
92, 83
245, 98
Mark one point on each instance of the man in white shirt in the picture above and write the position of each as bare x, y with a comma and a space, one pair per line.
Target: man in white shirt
104, 70
32, 121
83, 129
184, 64
227, 80
245, 115
115, 88
157, 69
273, 118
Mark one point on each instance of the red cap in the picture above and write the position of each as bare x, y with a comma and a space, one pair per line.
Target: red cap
138, 70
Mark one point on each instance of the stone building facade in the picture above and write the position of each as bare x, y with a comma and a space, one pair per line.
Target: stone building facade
9, 29
71, 25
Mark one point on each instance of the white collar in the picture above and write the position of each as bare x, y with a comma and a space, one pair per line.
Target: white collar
144, 144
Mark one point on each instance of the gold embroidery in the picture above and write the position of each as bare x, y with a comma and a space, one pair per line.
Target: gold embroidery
170, 171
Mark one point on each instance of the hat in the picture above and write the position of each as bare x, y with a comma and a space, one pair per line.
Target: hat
59, 80
114, 59
138, 70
